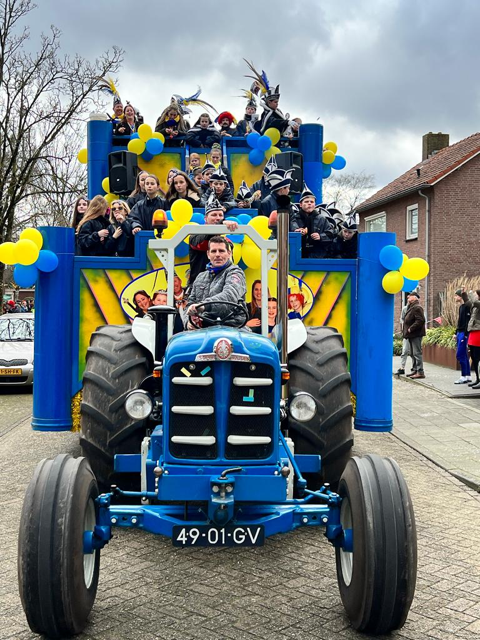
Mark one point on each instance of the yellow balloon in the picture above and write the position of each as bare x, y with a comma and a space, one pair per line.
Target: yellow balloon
328, 157
106, 185
110, 197
182, 211
272, 152
25, 252
7, 253
405, 260
34, 235
82, 156
415, 269
331, 146
158, 135
136, 146
237, 253
145, 132
392, 282
251, 256
171, 230
260, 224
273, 134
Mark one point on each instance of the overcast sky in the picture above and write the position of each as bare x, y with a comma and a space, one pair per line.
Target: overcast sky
377, 73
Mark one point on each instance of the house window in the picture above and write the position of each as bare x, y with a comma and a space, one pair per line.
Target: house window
378, 222
412, 222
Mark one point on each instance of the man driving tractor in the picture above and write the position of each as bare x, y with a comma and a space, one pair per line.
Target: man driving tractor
222, 281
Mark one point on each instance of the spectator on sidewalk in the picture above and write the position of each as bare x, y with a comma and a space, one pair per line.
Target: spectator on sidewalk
473, 329
413, 331
405, 345
461, 297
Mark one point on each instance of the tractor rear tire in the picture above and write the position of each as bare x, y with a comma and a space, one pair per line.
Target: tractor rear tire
319, 367
57, 580
377, 580
116, 364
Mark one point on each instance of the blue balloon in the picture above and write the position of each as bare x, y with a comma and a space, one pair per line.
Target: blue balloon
233, 219
391, 257
244, 218
237, 239
256, 157
339, 163
197, 217
181, 250
47, 261
264, 143
409, 285
326, 170
252, 139
169, 216
134, 136
25, 276
147, 156
154, 146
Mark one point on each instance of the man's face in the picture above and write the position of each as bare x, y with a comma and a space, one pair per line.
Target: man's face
219, 187
204, 123
218, 254
214, 217
225, 122
308, 204
411, 299
118, 109
347, 234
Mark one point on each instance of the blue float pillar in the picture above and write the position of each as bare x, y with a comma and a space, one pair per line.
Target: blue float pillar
53, 335
374, 337
99, 144
310, 145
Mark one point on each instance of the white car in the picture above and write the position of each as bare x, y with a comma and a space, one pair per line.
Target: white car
16, 349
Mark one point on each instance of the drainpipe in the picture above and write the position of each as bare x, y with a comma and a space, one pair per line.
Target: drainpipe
427, 244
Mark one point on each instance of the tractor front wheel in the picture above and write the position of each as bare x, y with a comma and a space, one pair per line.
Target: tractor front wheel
377, 579
57, 580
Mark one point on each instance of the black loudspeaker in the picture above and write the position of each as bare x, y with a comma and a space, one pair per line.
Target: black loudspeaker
292, 160
122, 171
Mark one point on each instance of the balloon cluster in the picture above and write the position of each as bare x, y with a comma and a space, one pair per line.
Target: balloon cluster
146, 143
331, 160
28, 257
244, 248
404, 272
262, 146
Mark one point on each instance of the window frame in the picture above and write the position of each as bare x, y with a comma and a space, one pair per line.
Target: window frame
408, 235
376, 216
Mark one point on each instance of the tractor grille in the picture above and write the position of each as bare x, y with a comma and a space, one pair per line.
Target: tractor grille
251, 392
192, 426
13, 363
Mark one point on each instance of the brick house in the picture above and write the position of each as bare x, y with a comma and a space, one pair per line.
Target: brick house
434, 209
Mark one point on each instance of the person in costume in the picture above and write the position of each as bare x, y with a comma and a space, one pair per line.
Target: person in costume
120, 240
92, 230
226, 121
198, 244
245, 126
262, 185
280, 181
318, 233
220, 189
79, 209
129, 122
203, 133
246, 199
272, 117
216, 158
142, 212
171, 122
139, 192
182, 188
346, 242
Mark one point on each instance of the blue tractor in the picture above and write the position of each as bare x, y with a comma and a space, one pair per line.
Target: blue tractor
217, 437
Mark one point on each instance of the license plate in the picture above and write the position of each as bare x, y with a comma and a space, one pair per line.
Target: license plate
205, 535
10, 372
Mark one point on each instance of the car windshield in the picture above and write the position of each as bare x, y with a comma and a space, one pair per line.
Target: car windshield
16, 329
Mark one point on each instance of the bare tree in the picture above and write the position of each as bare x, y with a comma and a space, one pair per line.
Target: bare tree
348, 190
41, 95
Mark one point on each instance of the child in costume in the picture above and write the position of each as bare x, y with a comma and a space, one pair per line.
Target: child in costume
246, 199
171, 123
220, 189
216, 159
346, 242
245, 126
203, 133
279, 181
262, 185
317, 231
226, 120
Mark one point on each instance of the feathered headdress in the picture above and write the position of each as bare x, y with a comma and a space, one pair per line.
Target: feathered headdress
250, 96
107, 85
261, 84
184, 103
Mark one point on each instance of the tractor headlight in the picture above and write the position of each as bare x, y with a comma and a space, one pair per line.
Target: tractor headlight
302, 407
138, 404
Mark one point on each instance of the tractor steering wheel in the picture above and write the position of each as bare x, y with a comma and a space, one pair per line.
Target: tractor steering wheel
207, 321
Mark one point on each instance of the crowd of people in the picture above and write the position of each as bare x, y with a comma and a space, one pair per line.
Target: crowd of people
18, 306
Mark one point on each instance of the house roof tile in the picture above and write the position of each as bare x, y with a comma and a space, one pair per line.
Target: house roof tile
431, 171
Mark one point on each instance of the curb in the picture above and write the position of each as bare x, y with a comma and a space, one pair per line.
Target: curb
430, 386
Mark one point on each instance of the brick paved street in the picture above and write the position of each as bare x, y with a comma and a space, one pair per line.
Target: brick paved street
286, 589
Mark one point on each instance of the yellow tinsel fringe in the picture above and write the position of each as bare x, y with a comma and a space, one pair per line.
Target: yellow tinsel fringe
76, 402
353, 400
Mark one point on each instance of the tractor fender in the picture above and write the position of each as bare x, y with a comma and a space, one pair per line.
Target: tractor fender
297, 334
143, 330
